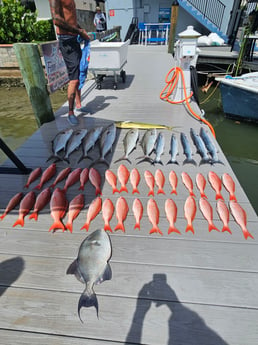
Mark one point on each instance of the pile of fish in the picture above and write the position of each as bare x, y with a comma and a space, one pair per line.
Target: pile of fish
153, 142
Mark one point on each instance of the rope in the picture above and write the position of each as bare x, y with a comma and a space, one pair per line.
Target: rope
167, 91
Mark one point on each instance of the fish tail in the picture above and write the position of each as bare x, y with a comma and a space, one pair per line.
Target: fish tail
38, 186
86, 226
124, 158
213, 227
203, 195
205, 161
57, 225
247, 234
107, 227
189, 228
173, 191
216, 162
84, 157
192, 194
137, 225
100, 160
189, 161
123, 189
53, 185
155, 229
120, 226
19, 221
173, 229
158, 161
219, 196
66, 160
26, 185
3, 215
115, 190
88, 300
160, 191
81, 187
145, 159
98, 191
69, 226
232, 197
172, 162
226, 228
135, 190
34, 215
151, 192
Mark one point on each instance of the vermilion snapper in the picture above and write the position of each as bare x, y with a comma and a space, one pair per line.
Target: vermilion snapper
216, 184
41, 201
121, 213
107, 213
75, 207
72, 178
33, 176
47, 175
173, 181
137, 212
112, 180
223, 213
201, 184
123, 176
84, 176
95, 179
229, 184
190, 212
14, 201
171, 213
25, 206
239, 215
93, 211
187, 181
135, 180
61, 176
150, 181
58, 206
207, 212
160, 181
153, 214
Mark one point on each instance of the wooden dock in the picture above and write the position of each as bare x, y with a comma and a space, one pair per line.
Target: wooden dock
173, 289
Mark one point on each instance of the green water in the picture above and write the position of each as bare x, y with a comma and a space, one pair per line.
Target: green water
239, 141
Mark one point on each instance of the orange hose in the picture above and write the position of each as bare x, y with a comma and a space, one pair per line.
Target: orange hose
171, 84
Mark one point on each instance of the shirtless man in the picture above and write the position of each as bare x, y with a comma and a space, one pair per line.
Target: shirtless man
64, 18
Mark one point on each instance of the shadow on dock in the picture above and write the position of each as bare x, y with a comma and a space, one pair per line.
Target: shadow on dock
10, 270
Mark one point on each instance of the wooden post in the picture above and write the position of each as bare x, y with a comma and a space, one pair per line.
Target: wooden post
35, 81
173, 22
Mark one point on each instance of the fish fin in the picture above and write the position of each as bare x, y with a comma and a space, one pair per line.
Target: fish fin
19, 222
160, 191
84, 157
98, 191
156, 230
203, 195
173, 229
69, 226
205, 161
66, 160
123, 189
219, 196
247, 234
172, 162
34, 215
38, 186
151, 192
2, 216
81, 187
100, 160
107, 227
120, 226
232, 197
107, 275
216, 162
189, 161
135, 190
192, 194
137, 225
86, 226
73, 269
57, 225
146, 159
115, 190
226, 228
157, 161
189, 228
88, 300
173, 191
212, 227
124, 158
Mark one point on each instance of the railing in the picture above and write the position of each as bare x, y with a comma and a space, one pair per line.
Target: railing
213, 10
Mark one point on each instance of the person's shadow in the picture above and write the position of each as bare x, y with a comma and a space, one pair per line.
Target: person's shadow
10, 270
185, 326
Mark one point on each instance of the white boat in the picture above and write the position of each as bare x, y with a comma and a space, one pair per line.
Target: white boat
240, 96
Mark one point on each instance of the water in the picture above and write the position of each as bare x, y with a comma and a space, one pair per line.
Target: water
239, 141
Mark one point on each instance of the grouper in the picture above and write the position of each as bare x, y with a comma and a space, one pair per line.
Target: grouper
92, 266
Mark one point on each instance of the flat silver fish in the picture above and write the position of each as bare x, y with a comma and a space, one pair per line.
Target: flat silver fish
210, 146
173, 150
159, 149
59, 142
92, 266
89, 141
130, 142
200, 147
187, 150
148, 144
74, 143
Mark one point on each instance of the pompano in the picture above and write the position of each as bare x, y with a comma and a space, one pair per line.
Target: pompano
129, 142
140, 125
74, 143
59, 142
89, 141
187, 150
210, 146
200, 147
173, 150
148, 143
92, 266
159, 149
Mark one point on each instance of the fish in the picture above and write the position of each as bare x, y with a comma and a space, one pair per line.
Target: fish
47, 175
89, 142
26, 205
61, 176
137, 212
160, 181
153, 214
95, 180
187, 181
92, 266
13, 202
159, 148
74, 143
229, 184
123, 177
200, 147
171, 213
187, 150
173, 150
135, 178
75, 207
84, 176
72, 178
33, 176
173, 181
207, 212
41, 201
58, 207
148, 144
210, 146
216, 184
240, 217
59, 143
150, 181
223, 213
201, 184
140, 125
112, 180
93, 211
107, 139
130, 141
189, 213
121, 213
107, 213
